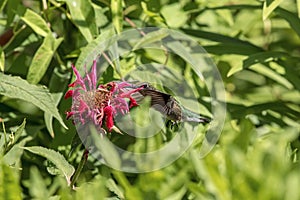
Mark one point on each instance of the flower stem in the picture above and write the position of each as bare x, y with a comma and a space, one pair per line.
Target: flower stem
79, 168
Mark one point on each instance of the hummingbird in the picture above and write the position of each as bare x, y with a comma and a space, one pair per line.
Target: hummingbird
169, 106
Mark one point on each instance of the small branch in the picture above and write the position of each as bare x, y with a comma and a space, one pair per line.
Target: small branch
79, 168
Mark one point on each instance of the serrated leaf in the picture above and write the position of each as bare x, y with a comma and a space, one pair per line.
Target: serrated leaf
55, 157
17, 135
42, 58
113, 187
13, 157
36, 22
48, 117
83, 16
9, 184
15, 87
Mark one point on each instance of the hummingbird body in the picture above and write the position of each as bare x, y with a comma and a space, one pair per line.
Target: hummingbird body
170, 107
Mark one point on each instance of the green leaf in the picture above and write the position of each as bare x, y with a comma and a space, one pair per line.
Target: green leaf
36, 22
179, 194
231, 48
171, 10
150, 38
9, 183
37, 185
152, 13
20, 130
93, 49
106, 148
2, 4
19, 36
83, 16
270, 7
231, 42
2, 59
113, 187
117, 14
298, 8
55, 157
265, 71
17, 135
15, 87
42, 58
291, 18
49, 117
263, 57
13, 157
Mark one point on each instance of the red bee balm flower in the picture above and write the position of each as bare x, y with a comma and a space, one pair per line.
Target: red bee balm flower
98, 104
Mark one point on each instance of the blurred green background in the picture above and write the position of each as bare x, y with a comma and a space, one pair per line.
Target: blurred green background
256, 47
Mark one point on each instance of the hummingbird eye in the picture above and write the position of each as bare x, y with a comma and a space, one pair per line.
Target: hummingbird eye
145, 85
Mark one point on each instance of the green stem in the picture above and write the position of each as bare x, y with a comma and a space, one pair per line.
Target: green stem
5, 139
79, 168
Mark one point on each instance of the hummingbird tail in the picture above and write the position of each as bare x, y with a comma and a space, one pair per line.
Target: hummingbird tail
199, 119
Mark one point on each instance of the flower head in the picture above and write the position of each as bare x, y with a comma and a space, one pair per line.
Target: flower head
99, 103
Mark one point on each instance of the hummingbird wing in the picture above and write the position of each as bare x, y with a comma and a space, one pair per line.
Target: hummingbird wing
159, 100
167, 105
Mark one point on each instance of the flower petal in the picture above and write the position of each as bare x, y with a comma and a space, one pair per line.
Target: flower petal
69, 94
108, 111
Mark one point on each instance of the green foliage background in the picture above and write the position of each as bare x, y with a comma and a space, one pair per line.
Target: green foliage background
256, 47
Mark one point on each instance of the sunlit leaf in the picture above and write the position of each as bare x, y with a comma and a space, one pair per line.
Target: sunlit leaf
93, 49
169, 11
269, 7
82, 14
2, 59
272, 75
9, 183
36, 22
55, 157
2, 4
15, 87
113, 187
42, 59
117, 14
150, 38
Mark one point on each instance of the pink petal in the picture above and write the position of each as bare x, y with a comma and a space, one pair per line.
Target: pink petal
133, 102
79, 80
108, 111
69, 94
93, 75
69, 114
